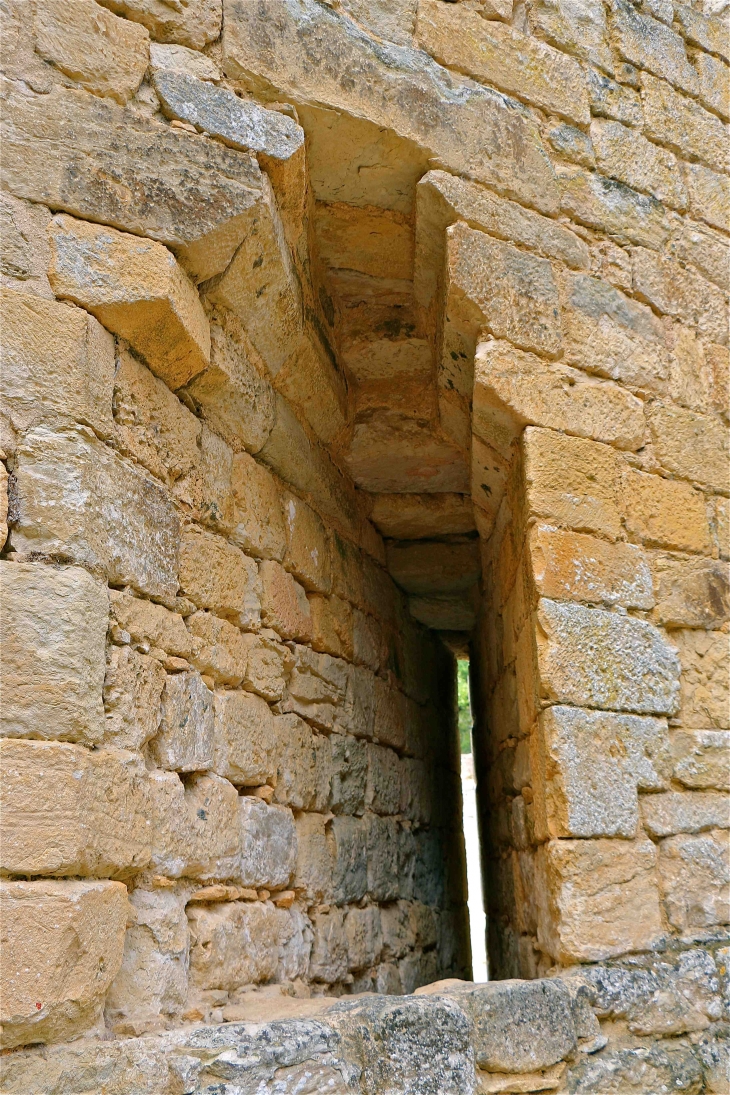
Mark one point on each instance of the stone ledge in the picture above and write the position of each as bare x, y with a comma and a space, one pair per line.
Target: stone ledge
449, 1038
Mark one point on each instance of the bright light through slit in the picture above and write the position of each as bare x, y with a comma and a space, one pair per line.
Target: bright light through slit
477, 920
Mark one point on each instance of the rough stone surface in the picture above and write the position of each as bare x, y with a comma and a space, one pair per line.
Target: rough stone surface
69, 811
129, 530
217, 576
100, 52
633, 666
193, 25
238, 123
155, 180
57, 362
602, 896
244, 738
52, 668
137, 290
62, 946
593, 765
185, 739
515, 162
269, 845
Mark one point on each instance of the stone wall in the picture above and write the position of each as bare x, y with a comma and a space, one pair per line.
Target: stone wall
338, 338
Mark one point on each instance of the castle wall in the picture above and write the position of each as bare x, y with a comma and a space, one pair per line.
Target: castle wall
336, 338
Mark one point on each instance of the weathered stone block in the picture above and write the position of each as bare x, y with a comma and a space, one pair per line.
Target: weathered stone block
682, 124
419, 516
119, 167
713, 75
702, 759
284, 604
152, 984
297, 762
610, 99
268, 844
691, 445
24, 246
349, 840
612, 335
232, 944
588, 766
383, 881
383, 791
52, 668
217, 576
133, 689
232, 393
573, 567
364, 937
580, 31
244, 738
519, 1026
193, 25
137, 290
151, 624
70, 811
152, 425
705, 662
602, 659
62, 947
307, 553
104, 54
328, 960
260, 286
57, 362
315, 858
706, 30
268, 664
195, 828
498, 55
651, 45
691, 592
185, 740
389, 715
239, 123
454, 122
612, 207
408, 1032
684, 812
571, 481
332, 625
709, 195
78, 500
349, 761
220, 650
183, 59
513, 389
511, 292
624, 154
665, 513
677, 290
434, 566
258, 520
695, 880
597, 898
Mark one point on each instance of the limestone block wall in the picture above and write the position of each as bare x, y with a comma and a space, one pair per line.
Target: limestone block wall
229, 753
337, 337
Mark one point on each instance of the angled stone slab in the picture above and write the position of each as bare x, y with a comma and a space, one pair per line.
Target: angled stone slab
318, 57
90, 157
137, 290
239, 123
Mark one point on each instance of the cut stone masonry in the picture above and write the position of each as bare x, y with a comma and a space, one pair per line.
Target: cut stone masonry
341, 340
